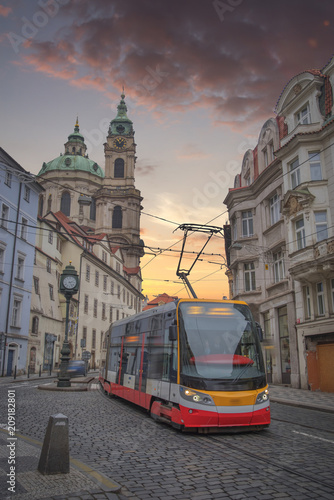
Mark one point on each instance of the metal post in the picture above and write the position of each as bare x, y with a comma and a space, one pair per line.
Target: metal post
15, 372
40, 370
28, 371
64, 378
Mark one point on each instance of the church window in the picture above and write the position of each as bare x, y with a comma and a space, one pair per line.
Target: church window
119, 168
49, 203
117, 218
92, 214
65, 204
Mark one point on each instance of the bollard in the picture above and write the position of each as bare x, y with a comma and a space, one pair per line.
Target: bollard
40, 370
55, 455
28, 371
15, 372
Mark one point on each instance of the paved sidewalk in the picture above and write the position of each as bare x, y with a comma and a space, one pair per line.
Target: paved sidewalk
82, 482
323, 401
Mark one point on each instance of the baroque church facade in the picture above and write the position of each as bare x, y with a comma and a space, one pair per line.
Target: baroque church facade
101, 201
89, 216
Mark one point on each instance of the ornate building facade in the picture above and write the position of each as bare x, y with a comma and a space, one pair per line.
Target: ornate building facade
281, 212
91, 217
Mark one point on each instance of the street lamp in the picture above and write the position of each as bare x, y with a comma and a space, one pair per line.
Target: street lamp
69, 285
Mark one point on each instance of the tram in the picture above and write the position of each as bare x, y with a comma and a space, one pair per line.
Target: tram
194, 364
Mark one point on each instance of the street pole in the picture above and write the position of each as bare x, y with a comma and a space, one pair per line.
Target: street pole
69, 286
64, 378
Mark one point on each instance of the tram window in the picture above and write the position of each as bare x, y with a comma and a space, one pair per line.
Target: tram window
156, 324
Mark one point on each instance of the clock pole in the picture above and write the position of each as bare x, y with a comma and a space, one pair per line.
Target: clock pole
69, 286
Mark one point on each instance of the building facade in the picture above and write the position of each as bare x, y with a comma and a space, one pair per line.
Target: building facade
282, 254
19, 195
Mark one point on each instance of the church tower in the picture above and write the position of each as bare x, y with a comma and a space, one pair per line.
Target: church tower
118, 202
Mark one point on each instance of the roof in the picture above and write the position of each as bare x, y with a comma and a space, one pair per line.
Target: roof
73, 163
160, 300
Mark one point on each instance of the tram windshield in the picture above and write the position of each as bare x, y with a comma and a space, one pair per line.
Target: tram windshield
219, 347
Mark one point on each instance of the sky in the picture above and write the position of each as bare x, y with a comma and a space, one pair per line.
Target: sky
200, 77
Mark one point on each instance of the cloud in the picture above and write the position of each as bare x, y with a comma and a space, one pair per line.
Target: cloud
5, 11
144, 170
176, 56
191, 152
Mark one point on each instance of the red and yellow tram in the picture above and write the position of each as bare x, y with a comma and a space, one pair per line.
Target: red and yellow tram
195, 364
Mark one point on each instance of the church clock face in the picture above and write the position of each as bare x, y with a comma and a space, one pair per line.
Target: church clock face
119, 143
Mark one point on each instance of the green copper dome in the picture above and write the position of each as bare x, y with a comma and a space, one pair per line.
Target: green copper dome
75, 157
121, 125
72, 162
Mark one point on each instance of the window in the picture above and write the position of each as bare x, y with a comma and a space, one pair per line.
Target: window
4, 216
307, 301
320, 299
315, 166
104, 256
92, 213
87, 272
96, 278
247, 223
26, 195
332, 287
275, 209
48, 265
2, 258
93, 339
119, 168
112, 288
110, 314
86, 304
20, 268
249, 274
40, 205
50, 237
49, 203
36, 285
278, 267
95, 308
51, 292
104, 311
65, 203
118, 267
117, 218
321, 225
300, 234
105, 283
24, 226
295, 173
8, 179
118, 291
34, 325
84, 334
16, 312
303, 116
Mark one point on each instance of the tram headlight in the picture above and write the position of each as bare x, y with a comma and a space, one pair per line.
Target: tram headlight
262, 397
195, 396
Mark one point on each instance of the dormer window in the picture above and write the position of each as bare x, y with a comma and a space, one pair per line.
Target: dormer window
303, 116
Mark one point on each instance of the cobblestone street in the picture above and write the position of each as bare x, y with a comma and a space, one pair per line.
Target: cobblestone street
150, 460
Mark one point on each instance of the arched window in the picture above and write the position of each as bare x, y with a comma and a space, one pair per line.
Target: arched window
49, 203
40, 205
34, 325
65, 203
119, 168
92, 214
117, 217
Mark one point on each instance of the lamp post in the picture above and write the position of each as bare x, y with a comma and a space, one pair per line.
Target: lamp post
69, 285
